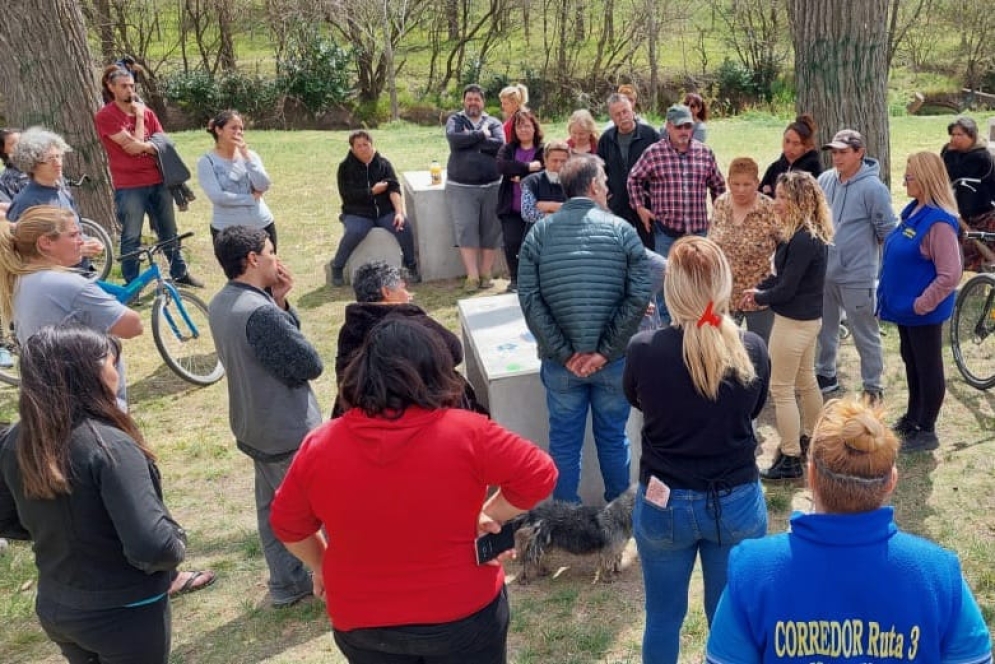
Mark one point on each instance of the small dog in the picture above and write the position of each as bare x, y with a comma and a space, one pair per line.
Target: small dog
577, 529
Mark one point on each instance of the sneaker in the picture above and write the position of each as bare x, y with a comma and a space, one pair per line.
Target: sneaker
189, 280
471, 285
785, 467
873, 397
338, 276
413, 275
920, 440
904, 427
827, 384
6, 359
512, 287
486, 281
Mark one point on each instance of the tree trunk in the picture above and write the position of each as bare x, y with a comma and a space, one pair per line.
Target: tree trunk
841, 69
52, 53
226, 38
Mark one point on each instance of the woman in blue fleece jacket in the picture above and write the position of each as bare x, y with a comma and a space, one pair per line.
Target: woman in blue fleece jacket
844, 585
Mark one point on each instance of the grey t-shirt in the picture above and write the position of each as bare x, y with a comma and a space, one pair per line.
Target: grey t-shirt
56, 297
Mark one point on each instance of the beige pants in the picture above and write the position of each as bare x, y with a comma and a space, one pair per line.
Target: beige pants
792, 368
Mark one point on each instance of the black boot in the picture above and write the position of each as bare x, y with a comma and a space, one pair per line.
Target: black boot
338, 276
414, 277
785, 467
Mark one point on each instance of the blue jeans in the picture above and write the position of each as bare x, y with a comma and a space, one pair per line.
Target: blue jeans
663, 243
356, 230
132, 205
669, 539
568, 398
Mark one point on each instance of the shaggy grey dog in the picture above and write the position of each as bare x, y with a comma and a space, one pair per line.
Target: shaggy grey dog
577, 529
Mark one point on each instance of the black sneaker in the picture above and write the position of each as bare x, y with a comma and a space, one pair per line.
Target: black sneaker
189, 280
785, 467
512, 287
413, 275
338, 276
920, 440
904, 427
827, 384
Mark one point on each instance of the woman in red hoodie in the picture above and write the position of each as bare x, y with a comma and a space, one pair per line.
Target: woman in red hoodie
399, 484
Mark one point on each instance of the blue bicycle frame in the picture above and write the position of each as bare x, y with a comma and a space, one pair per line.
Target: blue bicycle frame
129, 293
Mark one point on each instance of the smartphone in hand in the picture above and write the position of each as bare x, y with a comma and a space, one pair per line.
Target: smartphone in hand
491, 545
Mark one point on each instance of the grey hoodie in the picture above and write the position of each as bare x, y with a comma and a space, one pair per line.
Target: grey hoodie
862, 218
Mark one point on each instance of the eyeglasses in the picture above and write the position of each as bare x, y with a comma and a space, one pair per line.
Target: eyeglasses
52, 159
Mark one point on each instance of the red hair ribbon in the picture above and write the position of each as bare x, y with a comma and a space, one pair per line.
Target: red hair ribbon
710, 317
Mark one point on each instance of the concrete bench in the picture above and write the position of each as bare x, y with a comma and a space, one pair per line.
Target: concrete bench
438, 256
502, 365
379, 245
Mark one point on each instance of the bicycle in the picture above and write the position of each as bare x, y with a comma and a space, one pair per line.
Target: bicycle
973, 323
180, 325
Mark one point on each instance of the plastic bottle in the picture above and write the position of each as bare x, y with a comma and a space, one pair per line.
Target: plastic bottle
436, 172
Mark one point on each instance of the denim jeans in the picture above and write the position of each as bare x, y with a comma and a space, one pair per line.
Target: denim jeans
568, 399
663, 243
356, 230
132, 205
669, 539
289, 580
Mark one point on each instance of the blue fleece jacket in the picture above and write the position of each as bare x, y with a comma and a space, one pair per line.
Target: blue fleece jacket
862, 219
846, 588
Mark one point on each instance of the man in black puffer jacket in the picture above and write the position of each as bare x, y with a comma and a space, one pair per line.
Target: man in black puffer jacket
584, 284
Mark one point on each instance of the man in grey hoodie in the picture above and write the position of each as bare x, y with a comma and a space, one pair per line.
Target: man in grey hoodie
862, 218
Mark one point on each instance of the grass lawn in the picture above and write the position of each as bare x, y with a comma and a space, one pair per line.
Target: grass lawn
946, 496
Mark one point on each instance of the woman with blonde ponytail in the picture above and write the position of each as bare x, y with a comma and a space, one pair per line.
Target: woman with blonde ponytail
873, 593
699, 383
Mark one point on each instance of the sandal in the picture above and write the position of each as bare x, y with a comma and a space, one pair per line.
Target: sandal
194, 581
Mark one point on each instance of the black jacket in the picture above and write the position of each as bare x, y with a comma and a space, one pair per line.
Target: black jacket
618, 169
356, 181
809, 162
975, 163
509, 167
795, 290
109, 543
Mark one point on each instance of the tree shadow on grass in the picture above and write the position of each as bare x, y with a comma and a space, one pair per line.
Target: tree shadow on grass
980, 404
913, 491
320, 296
162, 382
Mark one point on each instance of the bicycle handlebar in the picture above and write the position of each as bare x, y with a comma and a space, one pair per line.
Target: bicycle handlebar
155, 248
979, 235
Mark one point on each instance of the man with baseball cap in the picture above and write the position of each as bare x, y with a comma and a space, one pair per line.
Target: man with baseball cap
862, 218
667, 186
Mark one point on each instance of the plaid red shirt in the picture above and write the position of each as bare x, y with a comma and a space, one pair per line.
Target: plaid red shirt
676, 184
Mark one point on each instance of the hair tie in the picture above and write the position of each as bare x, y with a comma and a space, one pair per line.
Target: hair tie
709, 317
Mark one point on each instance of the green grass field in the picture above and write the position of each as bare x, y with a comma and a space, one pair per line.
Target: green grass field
946, 496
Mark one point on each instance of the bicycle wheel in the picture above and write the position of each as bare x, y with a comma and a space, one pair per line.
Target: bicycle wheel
972, 331
10, 359
183, 336
101, 263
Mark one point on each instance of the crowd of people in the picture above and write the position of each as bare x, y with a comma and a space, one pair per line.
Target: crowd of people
636, 291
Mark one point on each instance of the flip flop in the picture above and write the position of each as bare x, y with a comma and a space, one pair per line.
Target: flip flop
191, 585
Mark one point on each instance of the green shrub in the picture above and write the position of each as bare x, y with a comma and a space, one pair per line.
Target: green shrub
316, 71
201, 95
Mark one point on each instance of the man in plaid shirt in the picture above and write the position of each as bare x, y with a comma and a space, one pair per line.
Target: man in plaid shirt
675, 172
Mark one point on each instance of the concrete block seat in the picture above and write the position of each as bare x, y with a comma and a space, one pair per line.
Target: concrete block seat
379, 245
438, 256
503, 367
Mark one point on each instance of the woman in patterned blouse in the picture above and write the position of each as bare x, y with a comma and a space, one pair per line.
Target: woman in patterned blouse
745, 227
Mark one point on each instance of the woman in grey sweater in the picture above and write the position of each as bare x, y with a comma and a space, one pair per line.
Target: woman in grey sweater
234, 178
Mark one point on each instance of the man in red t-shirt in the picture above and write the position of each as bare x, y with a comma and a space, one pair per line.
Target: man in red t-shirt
125, 126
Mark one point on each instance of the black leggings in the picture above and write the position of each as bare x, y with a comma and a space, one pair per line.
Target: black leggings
514, 229
480, 638
135, 635
922, 351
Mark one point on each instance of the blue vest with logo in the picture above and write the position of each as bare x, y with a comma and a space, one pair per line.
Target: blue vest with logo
905, 273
